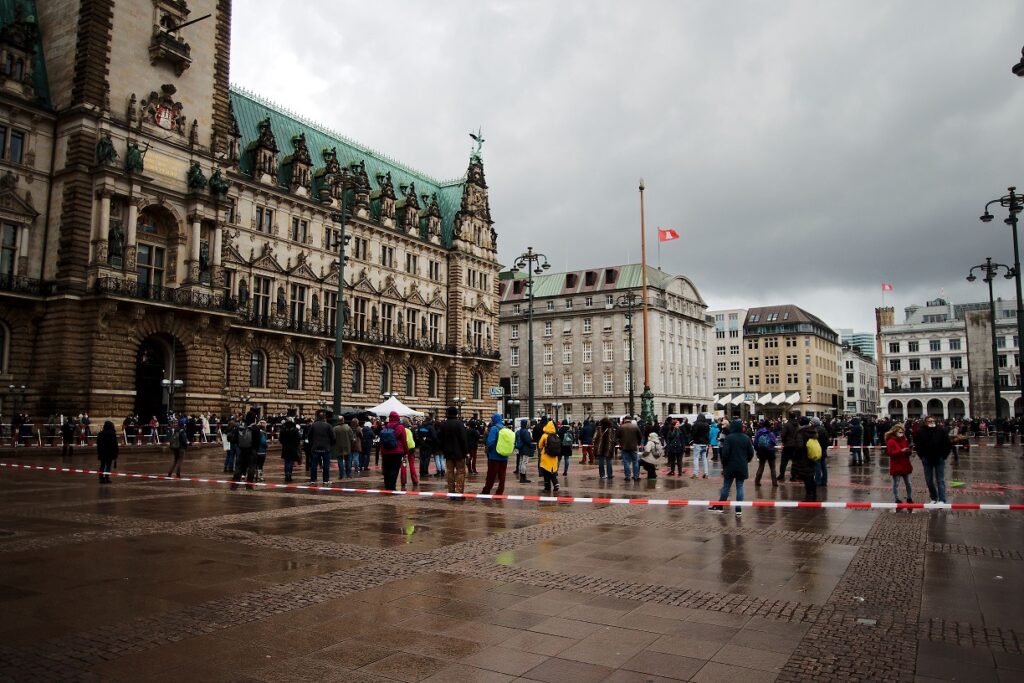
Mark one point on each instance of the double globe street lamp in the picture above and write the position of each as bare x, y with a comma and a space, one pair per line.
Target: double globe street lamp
990, 271
534, 263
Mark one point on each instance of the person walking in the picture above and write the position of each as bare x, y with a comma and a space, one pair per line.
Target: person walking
393, 450
341, 449
524, 449
736, 453
701, 435
675, 443
898, 449
497, 463
321, 438
426, 440
565, 434
289, 437
629, 438
453, 443
549, 447
933, 447
764, 447
654, 455
261, 450
790, 442
604, 447
106, 450
179, 443
587, 441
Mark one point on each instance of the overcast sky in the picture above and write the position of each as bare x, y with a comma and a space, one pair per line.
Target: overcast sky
805, 151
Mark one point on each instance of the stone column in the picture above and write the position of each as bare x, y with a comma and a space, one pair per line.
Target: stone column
99, 233
193, 248
130, 242
22, 267
216, 272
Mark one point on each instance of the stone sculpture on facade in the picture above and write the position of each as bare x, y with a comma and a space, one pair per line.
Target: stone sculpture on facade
105, 152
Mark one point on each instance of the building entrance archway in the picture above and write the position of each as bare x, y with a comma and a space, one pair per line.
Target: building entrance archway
935, 408
159, 357
956, 408
914, 409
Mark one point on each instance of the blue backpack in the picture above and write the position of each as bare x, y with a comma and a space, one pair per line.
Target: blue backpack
388, 439
766, 441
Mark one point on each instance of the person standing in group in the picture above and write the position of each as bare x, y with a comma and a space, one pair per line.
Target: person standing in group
629, 438
474, 443
675, 443
230, 449
714, 430
410, 457
604, 447
565, 434
898, 449
821, 464
178, 443
654, 455
67, 436
393, 450
802, 465
497, 463
453, 444
855, 439
736, 454
587, 441
524, 449
550, 448
933, 447
321, 438
261, 450
790, 442
356, 456
289, 438
246, 437
368, 437
764, 447
426, 438
341, 449
106, 450
701, 435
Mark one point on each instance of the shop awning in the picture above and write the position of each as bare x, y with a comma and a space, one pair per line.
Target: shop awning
724, 400
763, 399
738, 399
793, 398
779, 399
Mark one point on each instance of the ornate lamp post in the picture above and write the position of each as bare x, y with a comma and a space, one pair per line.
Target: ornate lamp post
459, 401
513, 403
630, 301
535, 263
1013, 203
991, 270
342, 180
171, 387
556, 406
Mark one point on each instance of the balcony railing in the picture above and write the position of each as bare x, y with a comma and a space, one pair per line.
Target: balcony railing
24, 285
925, 390
171, 295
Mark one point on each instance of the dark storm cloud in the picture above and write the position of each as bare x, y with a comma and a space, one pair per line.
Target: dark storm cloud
806, 151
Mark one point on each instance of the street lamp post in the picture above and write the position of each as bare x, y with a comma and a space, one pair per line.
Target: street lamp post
1013, 203
629, 301
1018, 68
513, 403
459, 401
171, 387
557, 406
535, 263
341, 218
991, 270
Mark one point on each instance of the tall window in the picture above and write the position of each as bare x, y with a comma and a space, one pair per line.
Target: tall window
513, 332
435, 328
258, 369
607, 351
608, 383
327, 374
385, 378
360, 306
411, 318
513, 356
297, 304
387, 257
567, 353
549, 384
548, 355
330, 310
358, 370
432, 384
387, 314
150, 266
588, 383
410, 381
588, 325
567, 385
588, 352
547, 328
300, 229
513, 384
8, 248
294, 371
5, 340
478, 385
261, 295
264, 219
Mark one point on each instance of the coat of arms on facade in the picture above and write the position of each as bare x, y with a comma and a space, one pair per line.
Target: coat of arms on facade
161, 109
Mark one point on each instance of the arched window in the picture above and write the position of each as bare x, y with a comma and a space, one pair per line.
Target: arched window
478, 385
357, 377
5, 343
385, 378
410, 381
258, 369
294, 371
327, 374
432, 384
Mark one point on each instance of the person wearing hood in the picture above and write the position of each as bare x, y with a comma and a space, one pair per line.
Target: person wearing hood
497, 464
453, 444
367, 441
393, 450
855, 439
654, 455
898, 449
821, 465
736, 452
802, 466
934, 446
701, 435
106, 450
548, 461
289, 438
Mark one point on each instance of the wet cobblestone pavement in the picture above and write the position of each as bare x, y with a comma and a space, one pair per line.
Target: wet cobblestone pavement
158, 580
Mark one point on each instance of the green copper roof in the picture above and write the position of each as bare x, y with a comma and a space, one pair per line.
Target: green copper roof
10, 10
250, 109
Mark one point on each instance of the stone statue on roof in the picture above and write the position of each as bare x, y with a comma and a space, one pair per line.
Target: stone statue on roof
479, 138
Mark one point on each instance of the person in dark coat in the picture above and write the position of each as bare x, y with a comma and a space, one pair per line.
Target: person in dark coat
106, 450
855, 439
736, 451
802, 466
453, 444
290, 438
933, 446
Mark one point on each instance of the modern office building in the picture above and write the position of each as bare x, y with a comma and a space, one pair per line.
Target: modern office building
860, 382
938, 361
864, 341
581, 342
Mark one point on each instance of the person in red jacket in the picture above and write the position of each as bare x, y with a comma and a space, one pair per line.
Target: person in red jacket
898, 449
393, 450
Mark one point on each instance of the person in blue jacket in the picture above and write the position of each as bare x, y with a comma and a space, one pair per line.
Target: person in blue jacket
496, 464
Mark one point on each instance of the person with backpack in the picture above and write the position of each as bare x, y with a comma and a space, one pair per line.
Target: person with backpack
764, 446
453, 444
321, 438
394, 448
426, 438
246, 437
289, 438
178, 442
565, 434
409, 463
106, 450
587, 441
674, 445
604, 447
497, 463
736, 453
714, 431
790, 443
550, 448
821, 464
524, 448
629, 437
654, 455
803, 458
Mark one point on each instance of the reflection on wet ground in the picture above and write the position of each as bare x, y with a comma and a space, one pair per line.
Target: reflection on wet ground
163, 580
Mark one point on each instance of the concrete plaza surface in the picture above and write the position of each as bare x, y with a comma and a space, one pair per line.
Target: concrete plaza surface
159, 580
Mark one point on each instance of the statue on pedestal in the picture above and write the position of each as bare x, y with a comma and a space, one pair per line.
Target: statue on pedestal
196, 178
105, 152
115, 242
647, 405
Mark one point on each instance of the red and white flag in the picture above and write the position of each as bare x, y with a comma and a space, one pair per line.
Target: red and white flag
667, 235
886, 287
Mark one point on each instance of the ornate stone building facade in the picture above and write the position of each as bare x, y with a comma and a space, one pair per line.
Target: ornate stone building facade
161, 225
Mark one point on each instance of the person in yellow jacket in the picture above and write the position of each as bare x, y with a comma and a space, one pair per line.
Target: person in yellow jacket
549, 461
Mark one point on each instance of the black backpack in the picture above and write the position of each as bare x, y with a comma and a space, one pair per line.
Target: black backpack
553, 446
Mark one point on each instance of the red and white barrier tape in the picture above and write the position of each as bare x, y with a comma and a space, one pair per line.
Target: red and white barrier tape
668, 502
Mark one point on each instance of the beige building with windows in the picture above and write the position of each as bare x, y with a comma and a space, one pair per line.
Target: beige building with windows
727, 366
160, 226
581, 343
792, 360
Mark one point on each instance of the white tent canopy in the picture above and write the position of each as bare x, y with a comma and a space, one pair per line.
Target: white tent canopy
393, 404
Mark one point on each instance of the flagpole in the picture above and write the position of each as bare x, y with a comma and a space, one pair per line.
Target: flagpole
643, 273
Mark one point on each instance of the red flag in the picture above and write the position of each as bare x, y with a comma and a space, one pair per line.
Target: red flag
886, 287
667, 235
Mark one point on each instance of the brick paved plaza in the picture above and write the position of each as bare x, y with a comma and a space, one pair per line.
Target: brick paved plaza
156, 580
